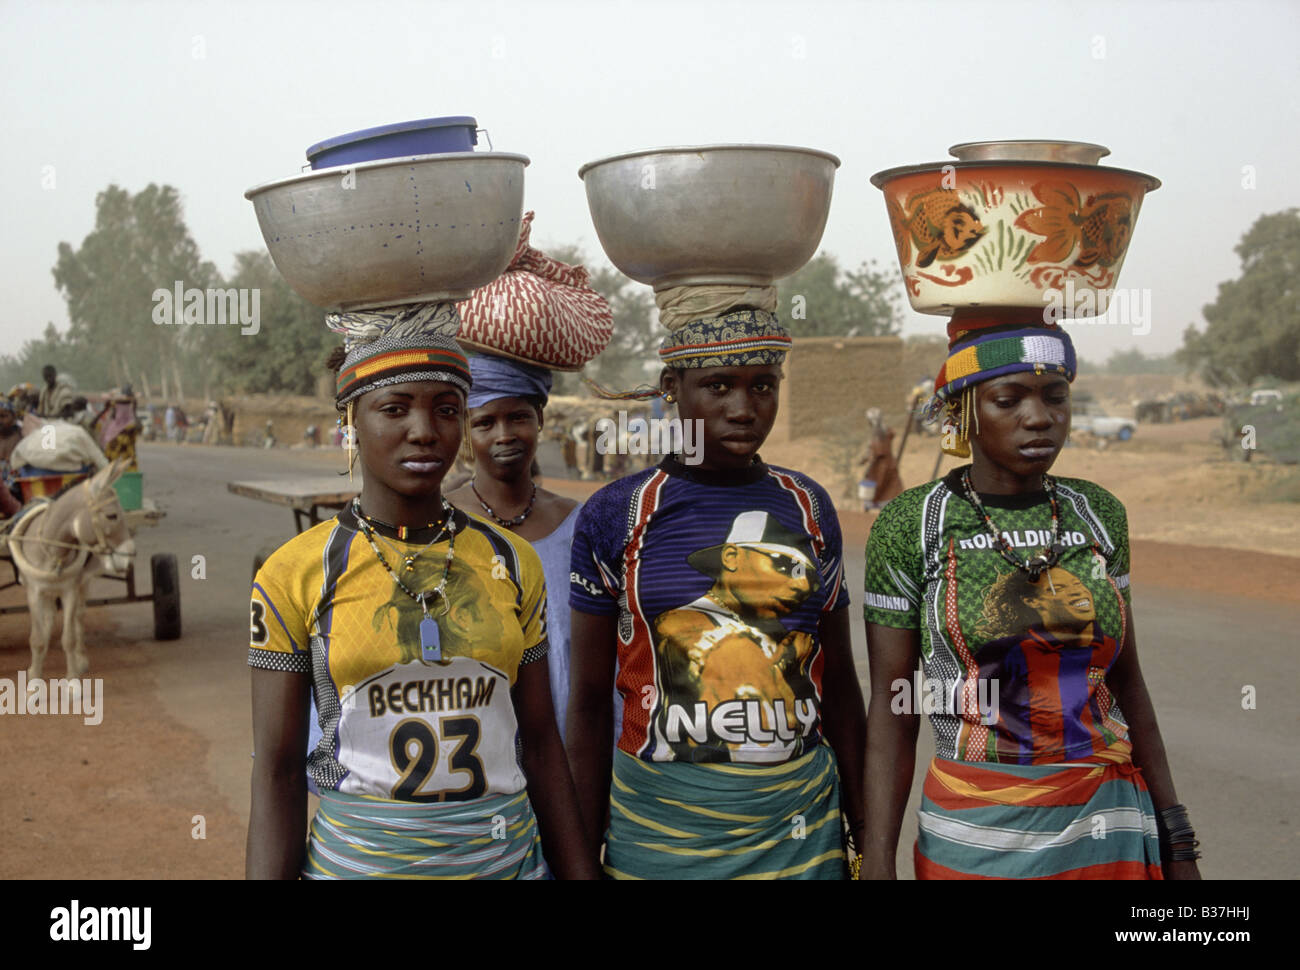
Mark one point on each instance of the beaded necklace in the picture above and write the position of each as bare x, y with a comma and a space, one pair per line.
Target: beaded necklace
430, 637
408, 561
1045, 559
517, 520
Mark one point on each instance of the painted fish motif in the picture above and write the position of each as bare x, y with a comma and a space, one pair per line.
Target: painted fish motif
938, 223
1100, 225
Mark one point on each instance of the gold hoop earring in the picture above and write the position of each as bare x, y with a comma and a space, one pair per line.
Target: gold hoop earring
669, 399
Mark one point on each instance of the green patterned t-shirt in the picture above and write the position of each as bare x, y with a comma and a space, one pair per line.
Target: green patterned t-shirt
1012, 669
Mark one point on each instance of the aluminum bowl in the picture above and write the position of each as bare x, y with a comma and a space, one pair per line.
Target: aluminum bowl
396, 230
710, 214
1028, 150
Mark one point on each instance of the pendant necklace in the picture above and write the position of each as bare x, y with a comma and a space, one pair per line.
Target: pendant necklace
430, 637
517, 520
1047, 558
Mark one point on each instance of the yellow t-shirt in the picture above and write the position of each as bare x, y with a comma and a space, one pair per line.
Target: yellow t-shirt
395, 725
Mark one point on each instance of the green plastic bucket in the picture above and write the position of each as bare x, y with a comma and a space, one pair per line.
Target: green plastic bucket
130, 490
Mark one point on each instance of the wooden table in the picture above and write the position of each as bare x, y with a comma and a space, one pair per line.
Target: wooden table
308, 497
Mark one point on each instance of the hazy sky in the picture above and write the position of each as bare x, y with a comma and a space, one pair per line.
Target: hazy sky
216, 97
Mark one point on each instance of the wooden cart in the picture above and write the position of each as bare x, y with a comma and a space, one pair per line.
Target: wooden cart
165, 587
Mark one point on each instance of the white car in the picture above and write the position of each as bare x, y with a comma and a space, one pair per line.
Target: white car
1093, 419
1264, 396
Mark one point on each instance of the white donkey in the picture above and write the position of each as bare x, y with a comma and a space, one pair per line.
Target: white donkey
59, 547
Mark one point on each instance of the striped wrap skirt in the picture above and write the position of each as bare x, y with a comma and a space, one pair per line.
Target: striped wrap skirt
1081, 820
679, 820
361, 837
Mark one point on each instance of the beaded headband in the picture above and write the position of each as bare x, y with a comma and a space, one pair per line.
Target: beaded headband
740, 338
980, 358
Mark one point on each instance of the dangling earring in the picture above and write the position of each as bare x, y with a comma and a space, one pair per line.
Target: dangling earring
351, 433
955, 440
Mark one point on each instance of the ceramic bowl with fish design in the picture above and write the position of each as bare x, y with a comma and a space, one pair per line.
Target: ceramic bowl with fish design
1013, 231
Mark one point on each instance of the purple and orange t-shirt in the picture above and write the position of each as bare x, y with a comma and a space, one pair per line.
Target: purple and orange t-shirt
718, 582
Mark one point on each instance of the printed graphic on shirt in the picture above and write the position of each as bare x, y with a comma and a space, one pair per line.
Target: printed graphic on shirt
718, 592
325, 606
1042, 647
468, 621
1041, 643
430, 733
730, 671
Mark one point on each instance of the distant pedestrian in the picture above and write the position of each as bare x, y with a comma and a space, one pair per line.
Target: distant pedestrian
54, 396
880, 480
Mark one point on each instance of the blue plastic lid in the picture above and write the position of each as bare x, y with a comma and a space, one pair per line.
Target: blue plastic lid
452, 121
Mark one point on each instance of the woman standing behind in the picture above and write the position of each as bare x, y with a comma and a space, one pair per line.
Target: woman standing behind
717, 587
540, 314
419, 630
506, 407
1010, 588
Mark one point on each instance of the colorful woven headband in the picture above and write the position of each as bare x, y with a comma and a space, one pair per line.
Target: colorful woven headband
980, 358
740, 338
395, 360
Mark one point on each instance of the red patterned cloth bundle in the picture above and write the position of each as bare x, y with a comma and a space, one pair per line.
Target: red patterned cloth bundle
540, 311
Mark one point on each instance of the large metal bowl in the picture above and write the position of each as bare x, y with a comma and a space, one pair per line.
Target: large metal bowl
710, 214
396, 230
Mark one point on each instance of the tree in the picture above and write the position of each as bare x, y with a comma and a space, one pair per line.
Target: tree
823, 300
140, 244
1253, 328
1133, 361
85, 371
287, 354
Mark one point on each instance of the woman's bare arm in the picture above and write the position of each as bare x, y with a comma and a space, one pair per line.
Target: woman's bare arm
550, 786
844, 716
589, 729
1130, 691
277, 818
891, 746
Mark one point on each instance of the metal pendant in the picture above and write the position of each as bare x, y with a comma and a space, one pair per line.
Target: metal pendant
430, 639
1036, 566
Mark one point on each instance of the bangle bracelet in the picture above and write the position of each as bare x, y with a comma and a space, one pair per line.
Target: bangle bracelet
1185, 854
1173, 828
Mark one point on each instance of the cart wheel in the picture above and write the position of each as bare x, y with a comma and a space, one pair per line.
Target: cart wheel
166, 597
263, 554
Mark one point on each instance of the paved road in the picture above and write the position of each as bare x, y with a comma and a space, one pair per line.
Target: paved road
1234, 768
